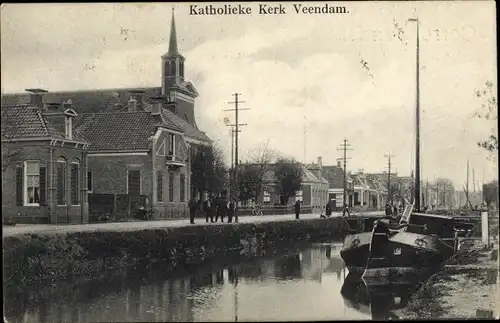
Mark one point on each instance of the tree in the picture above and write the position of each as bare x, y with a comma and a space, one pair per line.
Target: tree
288, 175
208, 170
488, 112
247, 181
490, 192
445, 192
261, 159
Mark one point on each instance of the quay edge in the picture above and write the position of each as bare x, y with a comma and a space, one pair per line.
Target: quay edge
33, 257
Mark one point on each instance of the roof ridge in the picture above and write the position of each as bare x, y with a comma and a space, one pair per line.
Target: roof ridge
89, 90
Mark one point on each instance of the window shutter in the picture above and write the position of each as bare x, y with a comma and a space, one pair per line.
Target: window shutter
43, 185
19, 186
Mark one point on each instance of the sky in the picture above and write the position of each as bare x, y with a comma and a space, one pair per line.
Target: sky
303, 77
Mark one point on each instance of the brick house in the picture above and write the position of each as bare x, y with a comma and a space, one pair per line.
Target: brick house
44, 164
334, 174
312, 191
140, 139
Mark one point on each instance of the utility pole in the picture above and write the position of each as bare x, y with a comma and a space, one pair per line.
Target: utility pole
231, 175
236, 125
344, 147
389, 190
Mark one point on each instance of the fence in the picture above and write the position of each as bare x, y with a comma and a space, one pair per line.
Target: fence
170, 211
113, 207
275, 209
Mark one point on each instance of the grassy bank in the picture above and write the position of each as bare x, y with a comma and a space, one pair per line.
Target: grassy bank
466, 284
34, 257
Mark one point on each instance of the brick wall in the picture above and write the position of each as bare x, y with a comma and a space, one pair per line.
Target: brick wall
50, 212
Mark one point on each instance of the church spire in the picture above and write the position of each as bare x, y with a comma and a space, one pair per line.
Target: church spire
172, 46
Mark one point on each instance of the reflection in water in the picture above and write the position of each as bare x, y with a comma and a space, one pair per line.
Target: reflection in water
379, 300
301, 285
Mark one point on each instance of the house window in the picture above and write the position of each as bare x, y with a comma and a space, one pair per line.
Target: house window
171, 187
90, 182
171, 144
159, 186
61, 181
161, 149
134, 182
32, 179
75, 183
182, 183
267, 197
173, 68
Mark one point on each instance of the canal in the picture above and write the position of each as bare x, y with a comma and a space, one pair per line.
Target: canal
308, 283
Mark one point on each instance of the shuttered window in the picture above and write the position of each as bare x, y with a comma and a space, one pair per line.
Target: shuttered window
134, 182
90, 182
75, 184
61, 181
182, 188
19, 185
171, 187
43, 185
159, 186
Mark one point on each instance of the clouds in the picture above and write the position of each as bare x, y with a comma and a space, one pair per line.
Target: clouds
300, 76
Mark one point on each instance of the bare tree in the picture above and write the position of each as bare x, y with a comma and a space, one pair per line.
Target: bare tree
488, 112
261, 159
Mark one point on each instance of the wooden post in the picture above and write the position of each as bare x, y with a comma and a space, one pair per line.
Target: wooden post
485, 229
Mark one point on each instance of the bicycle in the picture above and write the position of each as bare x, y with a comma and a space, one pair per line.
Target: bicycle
145, 214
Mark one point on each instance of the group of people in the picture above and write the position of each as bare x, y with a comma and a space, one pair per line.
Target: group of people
218, 207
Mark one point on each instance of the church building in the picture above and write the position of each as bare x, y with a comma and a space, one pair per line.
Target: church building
139, 139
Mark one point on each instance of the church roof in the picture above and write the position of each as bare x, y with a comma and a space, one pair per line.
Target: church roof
119, 131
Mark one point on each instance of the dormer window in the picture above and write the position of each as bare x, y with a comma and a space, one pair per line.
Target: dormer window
69, 114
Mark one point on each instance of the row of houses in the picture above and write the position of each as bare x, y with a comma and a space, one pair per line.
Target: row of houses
322, 184
63, 151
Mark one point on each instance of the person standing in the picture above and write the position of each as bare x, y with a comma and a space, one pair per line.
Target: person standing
192, 209
221, 208
297, 209
328, 209
230, 212
207, 207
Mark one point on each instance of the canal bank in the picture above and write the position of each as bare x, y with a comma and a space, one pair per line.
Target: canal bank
32, 257
466, 287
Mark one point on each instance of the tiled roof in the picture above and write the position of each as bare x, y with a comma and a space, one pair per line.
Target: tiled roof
24, 122
188, 129
87, 101
98, 101
334, 175
118, 131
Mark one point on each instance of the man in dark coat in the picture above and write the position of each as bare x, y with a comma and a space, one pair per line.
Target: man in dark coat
222, 205
328, 209
230, 211
297, 209
192, 209
208, 208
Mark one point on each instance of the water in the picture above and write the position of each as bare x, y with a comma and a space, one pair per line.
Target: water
306, 284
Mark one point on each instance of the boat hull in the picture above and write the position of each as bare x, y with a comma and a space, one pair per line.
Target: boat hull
404, 254
355, 251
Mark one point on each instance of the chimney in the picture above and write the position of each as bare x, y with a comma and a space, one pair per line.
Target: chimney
69, 114
156, 102
36, 97
135, 100
320, 161
132, 105
339, 162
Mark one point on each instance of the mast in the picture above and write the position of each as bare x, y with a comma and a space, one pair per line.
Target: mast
467, 184
417, 124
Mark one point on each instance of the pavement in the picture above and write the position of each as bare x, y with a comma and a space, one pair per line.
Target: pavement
21, 229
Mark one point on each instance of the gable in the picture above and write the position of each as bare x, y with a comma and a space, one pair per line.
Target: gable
189, 87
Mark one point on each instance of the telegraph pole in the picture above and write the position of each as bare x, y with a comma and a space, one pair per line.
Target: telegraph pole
344, 147
389, 190
236, 124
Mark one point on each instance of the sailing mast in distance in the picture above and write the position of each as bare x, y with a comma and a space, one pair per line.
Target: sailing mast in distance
417, 123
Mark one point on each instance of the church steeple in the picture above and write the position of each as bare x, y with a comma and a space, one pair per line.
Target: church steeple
172, 62
172, 46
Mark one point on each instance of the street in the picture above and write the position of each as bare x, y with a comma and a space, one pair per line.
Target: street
20, 229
